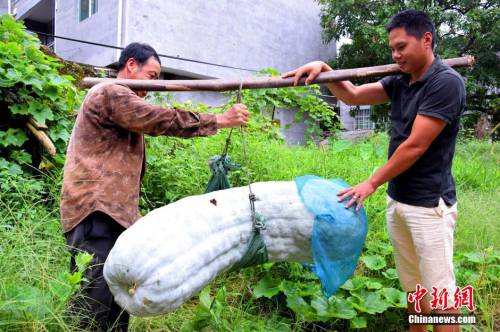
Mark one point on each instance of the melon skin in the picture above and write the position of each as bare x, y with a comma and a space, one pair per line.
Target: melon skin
170, 254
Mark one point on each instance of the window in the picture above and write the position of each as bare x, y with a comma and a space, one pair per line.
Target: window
362, 119
87, 8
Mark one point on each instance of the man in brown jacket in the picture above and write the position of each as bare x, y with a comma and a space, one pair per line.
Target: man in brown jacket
104, 166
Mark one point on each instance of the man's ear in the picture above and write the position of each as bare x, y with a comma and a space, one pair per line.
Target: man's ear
131, 65
427, 39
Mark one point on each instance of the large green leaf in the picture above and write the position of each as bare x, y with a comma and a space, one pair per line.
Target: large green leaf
356, 282
21, 157
370, 302
40, 112
391, 274
13, 136
267, 287
341, 145
373, 284
19, 109
204, 297
374, 262
395, 296
334, 307
301, 308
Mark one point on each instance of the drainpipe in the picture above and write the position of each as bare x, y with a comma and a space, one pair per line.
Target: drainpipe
9, 7
119, 31
55, 25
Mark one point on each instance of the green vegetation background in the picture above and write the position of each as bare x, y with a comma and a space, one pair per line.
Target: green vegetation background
35, 284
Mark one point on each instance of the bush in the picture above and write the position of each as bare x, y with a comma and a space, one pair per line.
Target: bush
30, 86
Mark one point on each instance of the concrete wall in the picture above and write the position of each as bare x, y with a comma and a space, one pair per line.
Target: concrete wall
347, 119
102, 27
253, 34
4, 6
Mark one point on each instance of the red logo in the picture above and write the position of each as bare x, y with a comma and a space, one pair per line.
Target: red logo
439, 297
464, 298
416, 296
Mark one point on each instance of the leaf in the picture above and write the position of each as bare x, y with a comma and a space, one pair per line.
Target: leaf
474, 257
204, 297
6, 83
370, 302
266, 287
395, 296
34, 81
320, 304
74, 278
13, 136
13, 75
14, 169
372, 284
334, 307
21, 157
19, 109
341, 145
82, 260
40, 112
51, 92
358, 322
13, 48
366, 151
299, 306
341, 308
380, 151
60, 288
354, 283
380, 247
61, 133
391, 274
29, 302
374, 262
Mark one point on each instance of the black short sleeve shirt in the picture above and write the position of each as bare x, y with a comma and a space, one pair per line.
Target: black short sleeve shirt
440, 93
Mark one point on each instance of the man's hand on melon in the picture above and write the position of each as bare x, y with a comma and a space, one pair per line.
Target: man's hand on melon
357, 193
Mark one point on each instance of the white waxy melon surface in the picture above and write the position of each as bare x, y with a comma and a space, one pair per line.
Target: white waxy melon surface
170, 254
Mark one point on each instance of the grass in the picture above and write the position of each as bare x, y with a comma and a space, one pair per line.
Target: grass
34, 254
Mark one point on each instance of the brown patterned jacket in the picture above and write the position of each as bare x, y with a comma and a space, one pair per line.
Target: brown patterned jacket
106, 154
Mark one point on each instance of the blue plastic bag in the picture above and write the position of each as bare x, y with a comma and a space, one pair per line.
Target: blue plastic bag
338, 233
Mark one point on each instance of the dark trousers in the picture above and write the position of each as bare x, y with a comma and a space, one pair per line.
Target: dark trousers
94, 305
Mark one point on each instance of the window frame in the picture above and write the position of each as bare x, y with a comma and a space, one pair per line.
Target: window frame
93, 8
362, 118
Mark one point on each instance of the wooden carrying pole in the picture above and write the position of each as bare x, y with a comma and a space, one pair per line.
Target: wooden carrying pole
263, 82
37, 130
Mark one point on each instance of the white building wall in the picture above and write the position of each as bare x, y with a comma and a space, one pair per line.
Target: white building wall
253, 34
4, 7
102, 27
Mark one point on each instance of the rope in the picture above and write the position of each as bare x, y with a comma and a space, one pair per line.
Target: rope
256, 252
228, 139
257, 220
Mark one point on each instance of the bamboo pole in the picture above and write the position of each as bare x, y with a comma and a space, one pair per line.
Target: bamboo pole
263, 82
36, 124
43, 138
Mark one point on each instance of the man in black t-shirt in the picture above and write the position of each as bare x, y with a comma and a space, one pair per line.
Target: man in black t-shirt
426, 103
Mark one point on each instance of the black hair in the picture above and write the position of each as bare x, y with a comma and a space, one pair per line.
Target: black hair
140, 52
415, 22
